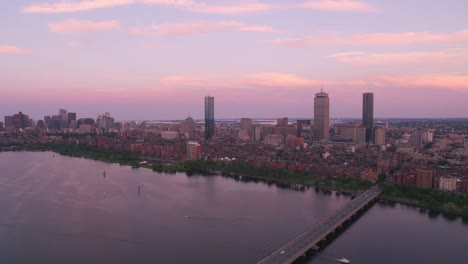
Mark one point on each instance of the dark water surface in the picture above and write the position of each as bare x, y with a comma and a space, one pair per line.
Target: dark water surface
62, 210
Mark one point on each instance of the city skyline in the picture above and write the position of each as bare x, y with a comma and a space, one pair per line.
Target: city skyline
263, 57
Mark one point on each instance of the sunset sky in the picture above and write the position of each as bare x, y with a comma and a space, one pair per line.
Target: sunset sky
157, 59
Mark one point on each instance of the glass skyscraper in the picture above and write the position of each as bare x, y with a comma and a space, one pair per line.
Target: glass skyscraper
368, 115
209, 117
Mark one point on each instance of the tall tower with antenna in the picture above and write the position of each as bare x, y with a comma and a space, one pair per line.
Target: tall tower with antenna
321, 116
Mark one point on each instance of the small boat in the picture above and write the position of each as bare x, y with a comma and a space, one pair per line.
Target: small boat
185, 216
343, 260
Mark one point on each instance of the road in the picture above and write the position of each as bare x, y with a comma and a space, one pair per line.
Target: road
305, 241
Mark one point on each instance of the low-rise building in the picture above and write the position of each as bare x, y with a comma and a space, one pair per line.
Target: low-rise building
193, 150
448, 184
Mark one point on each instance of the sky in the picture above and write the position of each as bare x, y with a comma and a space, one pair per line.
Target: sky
158, 59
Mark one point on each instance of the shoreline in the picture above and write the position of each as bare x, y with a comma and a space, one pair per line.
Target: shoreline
179, 167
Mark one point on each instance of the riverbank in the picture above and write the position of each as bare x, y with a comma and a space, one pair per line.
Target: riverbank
437, 201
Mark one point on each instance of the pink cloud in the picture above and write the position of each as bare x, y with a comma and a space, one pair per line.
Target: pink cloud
81, 26
439, 81
421, 58
340, 5
275, 79
260, 79
375, 39
13, 50
81, 42
197, 28
287, 81
68, 7
202, 7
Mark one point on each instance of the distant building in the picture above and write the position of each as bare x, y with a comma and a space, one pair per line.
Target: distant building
354, 133
8, 122
379, 136
48, 122
466, 143
416, 140
188, 127
448, 184
282, 121
40, 124
1, 126
21, 121
246, 125
257, 132
105, 122
170, 135
304, 129
369, 175
424, 178
85, 129
63, 119
383, 166
193, 150
428, 136
55, 122
72, 120
243, 134
321, 117
209, 117
293, 141
368, 115
274, 139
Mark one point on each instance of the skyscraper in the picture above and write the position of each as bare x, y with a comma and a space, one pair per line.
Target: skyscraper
379, 136
209, 117
321, 116
368, 115
63, 118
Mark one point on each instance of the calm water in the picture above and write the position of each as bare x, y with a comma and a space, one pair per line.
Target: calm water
62, 210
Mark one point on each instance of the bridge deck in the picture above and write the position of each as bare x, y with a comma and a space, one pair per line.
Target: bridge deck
305, 241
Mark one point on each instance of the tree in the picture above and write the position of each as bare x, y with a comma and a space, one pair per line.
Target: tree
382, 177
450, 208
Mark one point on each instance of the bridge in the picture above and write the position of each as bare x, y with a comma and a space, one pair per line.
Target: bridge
312, 236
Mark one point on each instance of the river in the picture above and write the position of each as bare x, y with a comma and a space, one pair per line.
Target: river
57, 209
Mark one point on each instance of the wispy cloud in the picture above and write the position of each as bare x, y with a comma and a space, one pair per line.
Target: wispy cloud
247, 81
421, 58
439, 81
375, 39
276, 79
68, 7
194, 6
80, 42
81, 26
244, 7
340, 5
202, 7
285, 81
13, 50
197, 28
